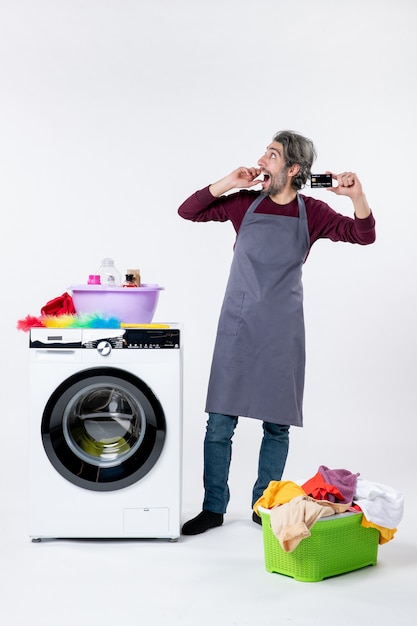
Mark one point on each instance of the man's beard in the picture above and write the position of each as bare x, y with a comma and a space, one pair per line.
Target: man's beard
277, 183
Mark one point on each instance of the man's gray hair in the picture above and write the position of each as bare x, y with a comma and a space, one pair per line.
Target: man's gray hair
297, 149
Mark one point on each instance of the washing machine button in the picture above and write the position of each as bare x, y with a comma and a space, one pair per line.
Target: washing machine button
104, 348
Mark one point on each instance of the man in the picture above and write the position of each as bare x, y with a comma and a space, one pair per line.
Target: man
259, 354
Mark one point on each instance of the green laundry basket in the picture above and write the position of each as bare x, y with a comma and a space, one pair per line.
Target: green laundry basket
337, 545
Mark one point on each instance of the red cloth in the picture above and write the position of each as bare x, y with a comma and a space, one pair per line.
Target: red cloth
62, 305
320, 490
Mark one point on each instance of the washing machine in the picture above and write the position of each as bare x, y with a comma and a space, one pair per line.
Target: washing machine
105, 432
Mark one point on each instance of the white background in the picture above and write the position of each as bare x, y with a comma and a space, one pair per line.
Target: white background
112, 112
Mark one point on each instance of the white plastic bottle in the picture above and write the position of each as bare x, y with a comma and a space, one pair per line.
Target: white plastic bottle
109, 274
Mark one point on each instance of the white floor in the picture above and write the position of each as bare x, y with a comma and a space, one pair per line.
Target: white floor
215, 578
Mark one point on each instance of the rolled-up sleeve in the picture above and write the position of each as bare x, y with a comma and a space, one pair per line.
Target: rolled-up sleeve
365, 228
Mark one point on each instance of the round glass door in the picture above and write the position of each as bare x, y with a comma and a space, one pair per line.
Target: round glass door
103, 429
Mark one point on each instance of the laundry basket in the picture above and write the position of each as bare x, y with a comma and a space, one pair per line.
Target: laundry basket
337, 545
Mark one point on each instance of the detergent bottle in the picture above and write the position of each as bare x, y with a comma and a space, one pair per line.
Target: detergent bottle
109, 274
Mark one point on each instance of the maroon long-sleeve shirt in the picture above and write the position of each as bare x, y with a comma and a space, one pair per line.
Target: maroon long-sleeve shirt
323, 221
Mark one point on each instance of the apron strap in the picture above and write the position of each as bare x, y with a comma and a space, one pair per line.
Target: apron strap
302, 213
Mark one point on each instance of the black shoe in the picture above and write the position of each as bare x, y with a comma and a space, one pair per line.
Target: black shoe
256, 518
204, 521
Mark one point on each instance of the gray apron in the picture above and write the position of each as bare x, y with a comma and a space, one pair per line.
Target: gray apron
259, 355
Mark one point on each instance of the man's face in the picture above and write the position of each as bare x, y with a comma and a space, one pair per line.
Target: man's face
273, 167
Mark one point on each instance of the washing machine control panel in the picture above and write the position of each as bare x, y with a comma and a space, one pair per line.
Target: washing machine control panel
105, 340
145, 339
137, 339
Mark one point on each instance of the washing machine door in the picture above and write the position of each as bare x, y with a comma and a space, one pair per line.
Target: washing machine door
103, 429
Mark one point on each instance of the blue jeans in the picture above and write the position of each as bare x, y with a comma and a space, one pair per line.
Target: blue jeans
218, 454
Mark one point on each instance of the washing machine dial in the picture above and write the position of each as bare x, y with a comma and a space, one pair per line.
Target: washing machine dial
104, 348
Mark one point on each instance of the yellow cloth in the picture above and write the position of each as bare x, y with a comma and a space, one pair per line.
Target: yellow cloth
278, 492
385, 534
